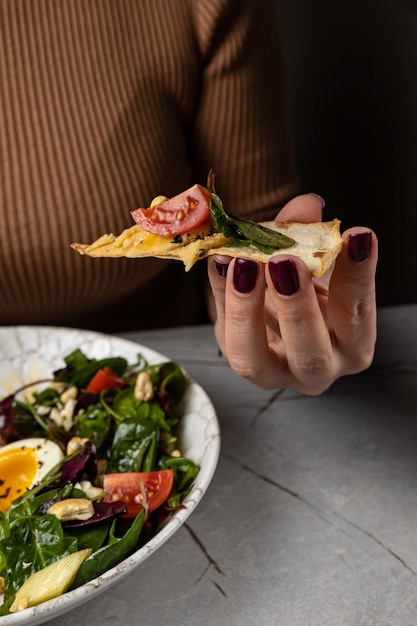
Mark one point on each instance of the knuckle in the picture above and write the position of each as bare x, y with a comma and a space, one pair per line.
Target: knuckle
247, 371
362, 361
356, 314
359, 323
314, 365
365, 307
295, 317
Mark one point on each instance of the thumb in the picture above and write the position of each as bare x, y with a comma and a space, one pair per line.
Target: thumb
307, 207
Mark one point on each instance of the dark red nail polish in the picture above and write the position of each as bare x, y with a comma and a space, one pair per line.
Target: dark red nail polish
284, 276
359, 246
221, 268
244, 275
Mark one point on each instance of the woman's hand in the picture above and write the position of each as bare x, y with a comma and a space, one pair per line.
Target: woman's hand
299, 333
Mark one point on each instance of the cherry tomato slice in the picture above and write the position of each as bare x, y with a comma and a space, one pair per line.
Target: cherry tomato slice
178, 215
125, 486
104, 378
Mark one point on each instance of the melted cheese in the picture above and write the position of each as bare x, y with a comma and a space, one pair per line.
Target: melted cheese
135, 242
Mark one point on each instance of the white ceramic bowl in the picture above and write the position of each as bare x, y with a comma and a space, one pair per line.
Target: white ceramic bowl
29, 353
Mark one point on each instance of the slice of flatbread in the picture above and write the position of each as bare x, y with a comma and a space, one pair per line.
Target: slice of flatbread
317, 244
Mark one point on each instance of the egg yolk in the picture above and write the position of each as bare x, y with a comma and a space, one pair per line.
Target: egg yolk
18, 468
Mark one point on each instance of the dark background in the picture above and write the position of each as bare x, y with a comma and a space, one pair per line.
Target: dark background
352, 72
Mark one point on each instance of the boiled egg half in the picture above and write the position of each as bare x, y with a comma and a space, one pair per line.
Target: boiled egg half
23, 464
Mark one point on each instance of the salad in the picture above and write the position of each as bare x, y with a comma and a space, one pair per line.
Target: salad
89, 469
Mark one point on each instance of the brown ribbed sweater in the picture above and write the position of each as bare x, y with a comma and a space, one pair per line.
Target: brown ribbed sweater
105, 104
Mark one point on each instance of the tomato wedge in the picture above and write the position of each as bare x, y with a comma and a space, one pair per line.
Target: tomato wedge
104, 378
125, 486
178, 215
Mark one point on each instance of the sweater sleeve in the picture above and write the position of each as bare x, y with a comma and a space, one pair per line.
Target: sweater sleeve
242, 125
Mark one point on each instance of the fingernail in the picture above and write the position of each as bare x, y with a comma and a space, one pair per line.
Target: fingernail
359, 246
322, 200
244, 275
221, 268
284, 276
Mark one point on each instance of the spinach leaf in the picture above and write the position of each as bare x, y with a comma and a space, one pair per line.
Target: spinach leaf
243, 231
168, 378
26, 414
134, 446
34, 542
125, 405
185, 472
79, 369
76, 359
111, 554
95, 423
90, 536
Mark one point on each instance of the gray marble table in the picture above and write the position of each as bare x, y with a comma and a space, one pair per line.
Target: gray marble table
311, 517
